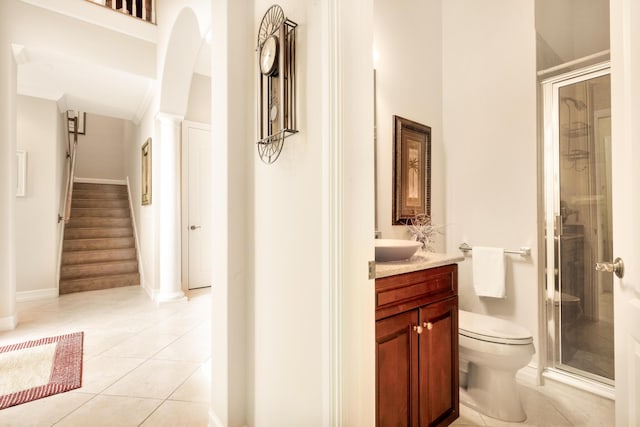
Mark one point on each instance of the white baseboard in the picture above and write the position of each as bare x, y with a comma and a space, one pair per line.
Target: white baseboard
99, 181
528, 375
214, 421
561, 378
8, 323
150, 292
37, 294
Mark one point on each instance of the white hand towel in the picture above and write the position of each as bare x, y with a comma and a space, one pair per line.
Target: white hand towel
489, 272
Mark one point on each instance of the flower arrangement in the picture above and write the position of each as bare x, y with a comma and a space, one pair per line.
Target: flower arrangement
422, 230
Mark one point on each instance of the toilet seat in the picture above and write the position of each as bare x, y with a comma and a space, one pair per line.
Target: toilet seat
565, 299
491, 329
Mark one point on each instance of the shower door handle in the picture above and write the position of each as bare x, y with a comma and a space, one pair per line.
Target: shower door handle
617, 266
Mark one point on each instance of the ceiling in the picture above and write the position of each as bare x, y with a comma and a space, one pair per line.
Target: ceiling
88, 86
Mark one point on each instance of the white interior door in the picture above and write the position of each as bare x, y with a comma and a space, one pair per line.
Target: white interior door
197, 188
625, 79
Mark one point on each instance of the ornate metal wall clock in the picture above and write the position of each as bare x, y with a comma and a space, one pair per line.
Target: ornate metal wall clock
276, 83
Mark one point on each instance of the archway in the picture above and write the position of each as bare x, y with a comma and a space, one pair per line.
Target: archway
179, 61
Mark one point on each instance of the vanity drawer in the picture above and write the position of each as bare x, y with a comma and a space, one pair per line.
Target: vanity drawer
405, 291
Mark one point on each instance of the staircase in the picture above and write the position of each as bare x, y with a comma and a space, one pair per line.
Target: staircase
99, 249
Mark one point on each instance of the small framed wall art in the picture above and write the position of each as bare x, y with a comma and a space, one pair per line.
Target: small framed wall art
82, 122
145, 183
411, 171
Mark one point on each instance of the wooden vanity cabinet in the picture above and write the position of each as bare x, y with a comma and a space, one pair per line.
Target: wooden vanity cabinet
417, 348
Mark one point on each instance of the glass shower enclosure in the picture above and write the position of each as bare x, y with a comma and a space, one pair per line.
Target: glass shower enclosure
577, 171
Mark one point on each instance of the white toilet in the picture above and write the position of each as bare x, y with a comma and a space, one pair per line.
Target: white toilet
492, 350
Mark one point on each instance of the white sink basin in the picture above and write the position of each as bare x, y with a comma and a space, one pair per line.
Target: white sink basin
395, 249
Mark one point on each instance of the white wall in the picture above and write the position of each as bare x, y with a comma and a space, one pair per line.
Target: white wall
101, 149
147, 217
8, 85
287, 284
571, 29
489, 116
144, 217
35, 27
293, 206
36, 214
409, 84
199, 107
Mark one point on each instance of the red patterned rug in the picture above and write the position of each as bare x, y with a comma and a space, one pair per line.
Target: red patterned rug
40, 368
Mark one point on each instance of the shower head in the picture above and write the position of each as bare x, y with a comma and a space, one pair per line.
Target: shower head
577, 104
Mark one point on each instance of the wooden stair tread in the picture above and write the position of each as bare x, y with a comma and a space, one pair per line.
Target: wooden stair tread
97, 244
100, 203
97, 283
85, 194
98, 255
93, 222
75, 233
99, 212
100, 188
99, 250
98, 269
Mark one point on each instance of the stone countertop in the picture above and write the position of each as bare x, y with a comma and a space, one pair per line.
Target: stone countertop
420, 261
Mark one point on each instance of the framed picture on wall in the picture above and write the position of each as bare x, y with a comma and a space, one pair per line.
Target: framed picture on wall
411, 171
145, 183
82, 120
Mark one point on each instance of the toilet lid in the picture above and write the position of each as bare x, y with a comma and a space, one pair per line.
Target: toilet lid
492, 329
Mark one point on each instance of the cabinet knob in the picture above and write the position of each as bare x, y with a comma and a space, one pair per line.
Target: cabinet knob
428, 325
418, 329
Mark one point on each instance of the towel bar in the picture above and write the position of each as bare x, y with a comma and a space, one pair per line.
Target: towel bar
523, 251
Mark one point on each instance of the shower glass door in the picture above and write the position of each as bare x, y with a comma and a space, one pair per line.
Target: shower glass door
579, 225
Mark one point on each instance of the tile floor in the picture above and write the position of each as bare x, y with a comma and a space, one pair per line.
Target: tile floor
144, 365
554, 405
150, 366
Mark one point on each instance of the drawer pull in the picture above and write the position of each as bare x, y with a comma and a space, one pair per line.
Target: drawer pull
428, 325
418, 329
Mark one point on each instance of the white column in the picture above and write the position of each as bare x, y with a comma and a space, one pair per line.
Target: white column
232, 369
8, 88
168, 191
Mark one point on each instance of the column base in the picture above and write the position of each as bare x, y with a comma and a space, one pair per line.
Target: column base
161, 297
8, 323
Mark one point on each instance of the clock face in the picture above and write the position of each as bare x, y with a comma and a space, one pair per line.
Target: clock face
269, 56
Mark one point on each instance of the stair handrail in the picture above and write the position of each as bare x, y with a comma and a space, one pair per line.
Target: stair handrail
72, 148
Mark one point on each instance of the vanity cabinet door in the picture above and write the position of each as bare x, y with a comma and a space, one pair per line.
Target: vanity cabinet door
417, 348
438, 365
397, 371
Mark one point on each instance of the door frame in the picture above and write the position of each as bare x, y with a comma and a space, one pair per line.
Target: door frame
184, 174
551, 209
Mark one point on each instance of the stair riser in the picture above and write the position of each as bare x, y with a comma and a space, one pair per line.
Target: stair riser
88, 222
80, 271
97, 283
99, 213
96, 233
82, 194
100, 188
98, 244
84, 257
100, 203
